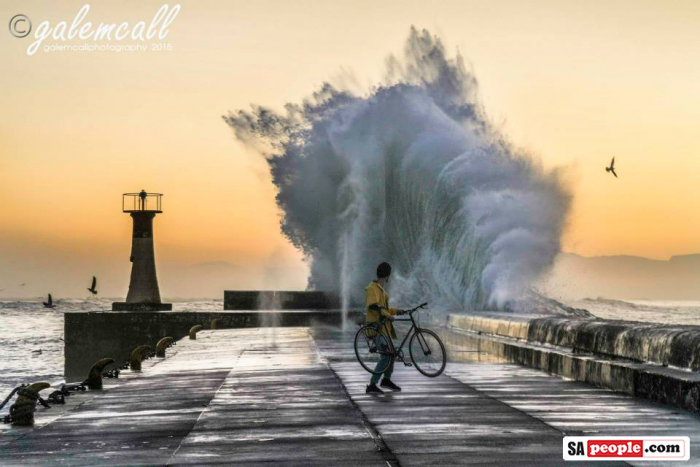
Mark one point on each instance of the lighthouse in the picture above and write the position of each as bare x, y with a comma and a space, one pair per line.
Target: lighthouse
144, 294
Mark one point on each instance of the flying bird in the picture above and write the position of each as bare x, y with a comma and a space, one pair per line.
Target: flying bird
49, 303
612, 167
93, 287
22, 285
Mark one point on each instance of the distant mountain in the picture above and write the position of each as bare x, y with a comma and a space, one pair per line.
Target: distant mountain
689, 260
624, 277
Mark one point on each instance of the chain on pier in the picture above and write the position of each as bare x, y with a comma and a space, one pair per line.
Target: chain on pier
27, 395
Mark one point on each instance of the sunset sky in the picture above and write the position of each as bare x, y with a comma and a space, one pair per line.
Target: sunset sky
575, 83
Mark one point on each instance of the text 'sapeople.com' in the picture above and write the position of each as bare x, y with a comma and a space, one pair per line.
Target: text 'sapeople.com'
666, 448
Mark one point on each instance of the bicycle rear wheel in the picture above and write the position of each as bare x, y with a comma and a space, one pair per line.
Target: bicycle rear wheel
373, 349
427, 352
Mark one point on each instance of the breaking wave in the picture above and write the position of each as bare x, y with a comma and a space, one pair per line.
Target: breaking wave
411, 172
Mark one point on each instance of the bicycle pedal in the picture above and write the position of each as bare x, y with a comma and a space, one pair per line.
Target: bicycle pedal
408, 363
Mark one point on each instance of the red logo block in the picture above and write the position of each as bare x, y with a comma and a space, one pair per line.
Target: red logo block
615, 448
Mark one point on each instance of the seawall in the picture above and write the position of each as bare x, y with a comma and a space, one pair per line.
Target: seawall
279, 300
656, 362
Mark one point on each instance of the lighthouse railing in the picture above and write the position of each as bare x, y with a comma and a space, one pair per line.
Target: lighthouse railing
134, 202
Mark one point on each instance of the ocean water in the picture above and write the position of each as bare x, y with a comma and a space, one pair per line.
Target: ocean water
31, 337
665, 312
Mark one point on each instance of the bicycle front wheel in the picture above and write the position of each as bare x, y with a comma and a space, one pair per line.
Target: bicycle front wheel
372, 349
427, 352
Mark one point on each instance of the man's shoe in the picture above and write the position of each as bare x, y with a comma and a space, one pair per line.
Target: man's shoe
387, 383
373, 389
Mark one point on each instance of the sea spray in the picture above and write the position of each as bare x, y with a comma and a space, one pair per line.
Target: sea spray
411, 172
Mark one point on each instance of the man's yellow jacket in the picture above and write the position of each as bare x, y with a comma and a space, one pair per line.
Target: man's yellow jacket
376, 295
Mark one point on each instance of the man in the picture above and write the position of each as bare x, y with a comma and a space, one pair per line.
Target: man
377, 301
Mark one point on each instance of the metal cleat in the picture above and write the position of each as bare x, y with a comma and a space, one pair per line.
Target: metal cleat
194, 330
94, 379
22, 411
137, 357
163, 344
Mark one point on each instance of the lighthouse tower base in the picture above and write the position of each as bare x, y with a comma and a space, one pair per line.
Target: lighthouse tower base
124, 306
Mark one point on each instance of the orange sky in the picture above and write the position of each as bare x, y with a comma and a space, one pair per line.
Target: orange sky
573, 82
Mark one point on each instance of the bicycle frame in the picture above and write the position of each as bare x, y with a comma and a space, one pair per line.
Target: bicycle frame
425, 354
395, 351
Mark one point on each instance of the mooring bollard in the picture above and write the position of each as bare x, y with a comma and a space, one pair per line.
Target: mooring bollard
137, 356
163, 344
214, 323
22, 411
194, 330
94, 379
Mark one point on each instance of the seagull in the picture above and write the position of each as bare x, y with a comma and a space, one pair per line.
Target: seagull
93, 287
49, 304
612, 167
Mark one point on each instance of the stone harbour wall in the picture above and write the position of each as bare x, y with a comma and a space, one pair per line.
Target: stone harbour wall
650, 361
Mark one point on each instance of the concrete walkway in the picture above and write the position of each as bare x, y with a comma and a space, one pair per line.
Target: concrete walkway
229, 398
295, 396
480, 411
281, 404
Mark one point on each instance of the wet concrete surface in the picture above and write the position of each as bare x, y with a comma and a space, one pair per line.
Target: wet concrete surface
295, 396
139, 420
281, 404
444, 421
233, 397
489, 411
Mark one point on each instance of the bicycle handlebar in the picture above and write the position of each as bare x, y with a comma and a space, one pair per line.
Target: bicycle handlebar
412, 310
422, 305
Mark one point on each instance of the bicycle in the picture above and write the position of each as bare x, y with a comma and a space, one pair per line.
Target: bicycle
375, 350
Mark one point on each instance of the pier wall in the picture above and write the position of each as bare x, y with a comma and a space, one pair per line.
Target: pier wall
667, 345
646, 360
90, 336
279, 300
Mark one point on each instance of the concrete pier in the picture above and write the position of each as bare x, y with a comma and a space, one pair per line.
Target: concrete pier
280, 300
295, 396
94, 335
90, 336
